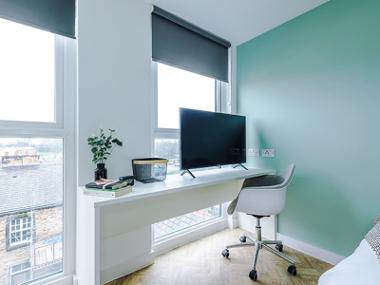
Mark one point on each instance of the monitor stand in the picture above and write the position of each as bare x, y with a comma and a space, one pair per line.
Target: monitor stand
187, 171
239, 164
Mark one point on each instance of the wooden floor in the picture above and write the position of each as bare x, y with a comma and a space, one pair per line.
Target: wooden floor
200, 262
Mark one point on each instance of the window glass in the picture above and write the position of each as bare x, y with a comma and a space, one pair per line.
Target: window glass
169, 149
20, 231
31, 176
20, 273
27, 73
176, 225
179, 88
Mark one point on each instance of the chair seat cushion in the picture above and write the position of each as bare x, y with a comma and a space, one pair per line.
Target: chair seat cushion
265, 180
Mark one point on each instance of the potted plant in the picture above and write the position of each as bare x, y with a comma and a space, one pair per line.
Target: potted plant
101, 148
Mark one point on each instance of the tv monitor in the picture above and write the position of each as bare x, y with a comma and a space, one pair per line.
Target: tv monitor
211, 139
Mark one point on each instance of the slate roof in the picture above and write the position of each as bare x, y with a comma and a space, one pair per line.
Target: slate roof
27, 188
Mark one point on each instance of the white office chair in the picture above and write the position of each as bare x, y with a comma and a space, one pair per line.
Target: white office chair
262, 197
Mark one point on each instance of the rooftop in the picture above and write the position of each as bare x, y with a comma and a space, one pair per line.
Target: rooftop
27, 188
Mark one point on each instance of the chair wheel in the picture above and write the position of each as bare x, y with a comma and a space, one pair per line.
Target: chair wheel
292, 270
253, 275
279, 247
243, 239
226, 253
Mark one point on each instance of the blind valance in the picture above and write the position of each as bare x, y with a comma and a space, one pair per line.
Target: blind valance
56, 16
181, 44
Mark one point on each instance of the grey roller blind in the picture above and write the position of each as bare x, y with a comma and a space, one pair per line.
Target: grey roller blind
179, 43
56, 16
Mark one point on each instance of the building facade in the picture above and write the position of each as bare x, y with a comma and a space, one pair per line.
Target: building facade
30, 244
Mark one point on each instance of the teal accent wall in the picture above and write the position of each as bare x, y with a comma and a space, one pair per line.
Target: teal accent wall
310, 88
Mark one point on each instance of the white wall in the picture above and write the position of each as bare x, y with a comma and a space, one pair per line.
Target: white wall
114, 54
114, 80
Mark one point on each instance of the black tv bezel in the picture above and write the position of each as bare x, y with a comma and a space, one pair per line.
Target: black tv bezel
211, 165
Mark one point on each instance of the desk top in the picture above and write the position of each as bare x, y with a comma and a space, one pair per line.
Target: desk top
176, 183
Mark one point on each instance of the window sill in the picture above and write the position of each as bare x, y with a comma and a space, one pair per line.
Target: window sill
19, 245
56, 279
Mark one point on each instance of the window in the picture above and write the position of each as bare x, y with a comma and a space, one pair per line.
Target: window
37, 177
176, 225
48, 253
180, 88
169, 149
36, 154
20, 273
27, 73
20, 231
176, 88
47, 259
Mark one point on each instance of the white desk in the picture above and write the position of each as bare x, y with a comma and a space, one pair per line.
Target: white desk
114, 236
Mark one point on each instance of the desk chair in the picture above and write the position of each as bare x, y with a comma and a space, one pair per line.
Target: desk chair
262, 197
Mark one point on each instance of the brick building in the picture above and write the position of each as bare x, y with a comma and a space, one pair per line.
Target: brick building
30, 225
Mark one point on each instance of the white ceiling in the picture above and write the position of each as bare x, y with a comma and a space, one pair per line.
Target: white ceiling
237, 20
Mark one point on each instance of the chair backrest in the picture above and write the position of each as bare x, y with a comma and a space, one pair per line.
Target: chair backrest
266, 200
287, 175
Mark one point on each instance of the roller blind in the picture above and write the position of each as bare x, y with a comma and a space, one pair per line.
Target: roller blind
56, 16
178, 43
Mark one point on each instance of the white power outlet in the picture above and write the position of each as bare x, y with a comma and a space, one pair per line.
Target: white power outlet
268, 152
253, 152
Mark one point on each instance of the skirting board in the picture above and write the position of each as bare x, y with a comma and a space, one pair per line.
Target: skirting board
317, 252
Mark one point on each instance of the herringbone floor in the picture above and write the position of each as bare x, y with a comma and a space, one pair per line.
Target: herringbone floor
201, 263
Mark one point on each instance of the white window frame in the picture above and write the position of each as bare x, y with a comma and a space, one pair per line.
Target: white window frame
222, 104
56, 256
58, 96
63, 128
13, 273
213, 220
23, 241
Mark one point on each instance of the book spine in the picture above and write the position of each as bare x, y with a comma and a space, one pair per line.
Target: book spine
105, 194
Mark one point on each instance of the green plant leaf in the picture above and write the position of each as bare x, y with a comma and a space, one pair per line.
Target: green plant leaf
102, 145
117, 141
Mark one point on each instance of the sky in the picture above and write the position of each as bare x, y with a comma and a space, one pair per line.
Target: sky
27, 73
179, 88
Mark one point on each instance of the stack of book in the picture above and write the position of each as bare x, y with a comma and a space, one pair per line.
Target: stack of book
109, 188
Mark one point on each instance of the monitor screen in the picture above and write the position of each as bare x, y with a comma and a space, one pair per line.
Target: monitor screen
210, 139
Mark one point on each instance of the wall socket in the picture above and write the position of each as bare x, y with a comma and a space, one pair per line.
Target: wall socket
268, 152
253, 152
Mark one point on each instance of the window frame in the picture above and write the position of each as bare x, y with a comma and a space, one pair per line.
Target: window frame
58, 95
14, 245
11, 273
184, 230
56, 257
63, 128
222, 104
